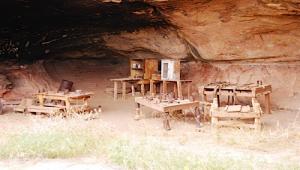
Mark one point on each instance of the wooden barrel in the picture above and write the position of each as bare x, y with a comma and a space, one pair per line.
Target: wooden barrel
65, 85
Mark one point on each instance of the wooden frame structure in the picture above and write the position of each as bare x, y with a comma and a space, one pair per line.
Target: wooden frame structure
124, 82
64, 99
177, 87
220, 116
234, 91
141, 71
167, 108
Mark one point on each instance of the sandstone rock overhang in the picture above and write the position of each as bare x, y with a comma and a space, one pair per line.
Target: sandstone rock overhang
206, 30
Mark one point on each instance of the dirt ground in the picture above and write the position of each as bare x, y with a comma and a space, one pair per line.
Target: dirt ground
280, 139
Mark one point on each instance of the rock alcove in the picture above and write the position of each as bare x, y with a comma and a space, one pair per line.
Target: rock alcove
237, 41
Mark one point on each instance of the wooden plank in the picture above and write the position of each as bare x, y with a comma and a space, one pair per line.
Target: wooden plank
123, 90
235, 124
179, 89
268, 103
115, 90
236, 115
151, 67
132, 90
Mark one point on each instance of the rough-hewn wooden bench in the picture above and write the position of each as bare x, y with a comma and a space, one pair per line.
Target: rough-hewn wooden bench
167, 108
249, 117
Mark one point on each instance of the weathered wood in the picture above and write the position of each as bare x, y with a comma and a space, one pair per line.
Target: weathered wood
165, 108
179, 89
137, 111
268, 103
42, 109
115, 90
123, 90
132, 90
234, 91
143, 89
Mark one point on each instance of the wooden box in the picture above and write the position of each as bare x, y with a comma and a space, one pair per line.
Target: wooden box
170, 69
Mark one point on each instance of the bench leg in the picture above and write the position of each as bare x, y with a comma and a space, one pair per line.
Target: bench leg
166, 121
197, 115
137, 112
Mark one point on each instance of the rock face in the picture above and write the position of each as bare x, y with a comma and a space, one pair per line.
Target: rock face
239, 41
286, 89
28, 80
236, 30
5, 85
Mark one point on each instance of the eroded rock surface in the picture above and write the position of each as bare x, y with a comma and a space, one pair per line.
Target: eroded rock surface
5, 85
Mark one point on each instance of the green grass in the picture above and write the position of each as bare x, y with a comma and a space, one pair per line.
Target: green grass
128, 153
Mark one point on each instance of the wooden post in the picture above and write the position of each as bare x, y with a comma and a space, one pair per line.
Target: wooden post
268, 103
152, 88
143, 88
197, 116
41, 99
137, 111
166, 121
165, 87
179, 89
132, 90
257, 124
115, 90
175, 91
123, 90
68, 106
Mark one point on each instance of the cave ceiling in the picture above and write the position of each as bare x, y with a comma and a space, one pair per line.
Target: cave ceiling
206, 30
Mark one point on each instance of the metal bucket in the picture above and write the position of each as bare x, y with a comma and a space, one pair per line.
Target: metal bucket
65, 86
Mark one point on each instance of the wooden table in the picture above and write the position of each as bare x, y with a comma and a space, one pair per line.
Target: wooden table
177, 87
123, 81
167, 108
66, 98
233, 91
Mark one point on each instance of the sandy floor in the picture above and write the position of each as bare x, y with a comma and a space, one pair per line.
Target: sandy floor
278, 142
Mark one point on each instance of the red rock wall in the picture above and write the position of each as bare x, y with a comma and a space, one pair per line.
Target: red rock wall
284, 78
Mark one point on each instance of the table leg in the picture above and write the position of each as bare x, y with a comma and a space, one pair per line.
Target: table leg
123, 90
164, 88
175, 91
143, 89
268, 103
132, 90
197, 115
68, 106
166, 121
115, 90
152, 88
179, 90
137, 111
